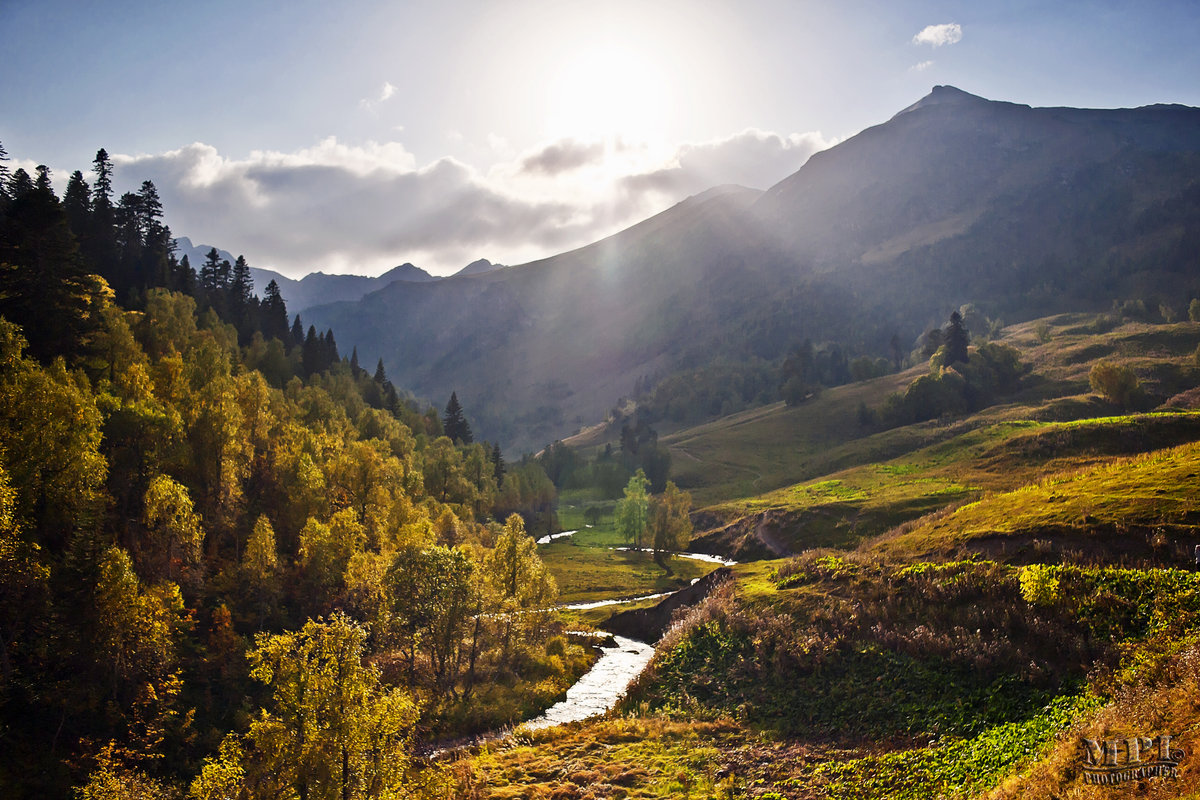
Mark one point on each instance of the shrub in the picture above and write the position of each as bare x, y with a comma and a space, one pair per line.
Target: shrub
1116, 382
1039, 584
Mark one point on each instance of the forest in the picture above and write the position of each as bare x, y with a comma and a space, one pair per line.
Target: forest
232, 561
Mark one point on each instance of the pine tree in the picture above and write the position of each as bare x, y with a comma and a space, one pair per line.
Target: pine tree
498, 469
210, 273
297, 332
19, 184
454, 422
102, 190
310, 357
274, 313
956, 339
329, 353
43, 179
3, 173
380, 376
77, 203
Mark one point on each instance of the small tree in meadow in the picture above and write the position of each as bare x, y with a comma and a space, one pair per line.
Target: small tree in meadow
1118, 383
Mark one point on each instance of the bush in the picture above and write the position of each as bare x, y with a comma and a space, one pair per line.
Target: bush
1118, 383
1194, 310
1039, 584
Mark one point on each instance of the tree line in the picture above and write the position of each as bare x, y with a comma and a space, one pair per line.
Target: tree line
230, 564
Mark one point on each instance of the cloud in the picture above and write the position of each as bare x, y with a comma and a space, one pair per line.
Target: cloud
922, 66
938, 35
364, 208
562, 156
385, 93
754, 158
343, 208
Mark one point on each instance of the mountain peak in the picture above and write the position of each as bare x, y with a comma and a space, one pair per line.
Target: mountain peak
944, 95
405, 272
478, 267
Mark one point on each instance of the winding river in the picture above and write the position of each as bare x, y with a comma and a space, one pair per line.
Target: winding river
600, 687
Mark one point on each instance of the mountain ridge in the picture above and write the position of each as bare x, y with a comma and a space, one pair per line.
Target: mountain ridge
957, 199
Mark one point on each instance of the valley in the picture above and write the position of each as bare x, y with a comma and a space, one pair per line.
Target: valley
964, 595
884, 481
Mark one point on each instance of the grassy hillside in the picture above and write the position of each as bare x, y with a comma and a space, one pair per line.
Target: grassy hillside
784, 479
975, 592
971, 593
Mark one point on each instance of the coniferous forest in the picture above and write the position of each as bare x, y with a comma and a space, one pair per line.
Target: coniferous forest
229, 556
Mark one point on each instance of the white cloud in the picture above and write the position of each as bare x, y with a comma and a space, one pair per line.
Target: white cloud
386, 92
922, 66
754, 158
365, 208
938, 35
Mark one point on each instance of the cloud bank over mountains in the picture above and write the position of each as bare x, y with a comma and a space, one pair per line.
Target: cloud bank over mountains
365, 208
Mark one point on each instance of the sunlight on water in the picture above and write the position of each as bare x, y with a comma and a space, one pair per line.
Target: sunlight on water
598, 690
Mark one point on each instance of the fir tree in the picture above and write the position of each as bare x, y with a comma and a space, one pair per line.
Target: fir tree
454, 422
3, 173
297, 332
497, 464
77, 203
956, 339
274, 313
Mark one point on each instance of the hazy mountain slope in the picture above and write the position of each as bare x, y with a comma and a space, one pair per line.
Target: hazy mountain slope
536, 350
956, 199
317, 288
478, 267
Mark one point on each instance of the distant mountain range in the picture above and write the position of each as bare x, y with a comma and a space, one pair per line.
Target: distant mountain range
1022, 211
317, 287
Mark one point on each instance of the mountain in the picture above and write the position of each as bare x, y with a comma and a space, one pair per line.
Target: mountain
197, 253
478, 268
317, 287
956, 199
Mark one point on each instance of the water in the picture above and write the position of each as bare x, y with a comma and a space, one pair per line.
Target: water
602, 603
551, 537
601, 686
726, 562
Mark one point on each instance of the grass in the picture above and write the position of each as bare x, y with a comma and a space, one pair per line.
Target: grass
894, 671
588, 573
768, 448
1128, 496
625, 758
587, 568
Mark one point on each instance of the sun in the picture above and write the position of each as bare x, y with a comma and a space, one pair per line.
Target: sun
607, 92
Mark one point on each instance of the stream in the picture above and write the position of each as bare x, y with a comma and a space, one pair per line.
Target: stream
597, 691
600, 687
711, 559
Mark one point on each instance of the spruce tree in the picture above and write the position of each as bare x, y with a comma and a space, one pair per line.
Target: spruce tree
77, 203
274, 313
3, 173
454, 423
497, 464
956, 339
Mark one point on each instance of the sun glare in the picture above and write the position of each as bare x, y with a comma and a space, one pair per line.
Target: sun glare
606, 93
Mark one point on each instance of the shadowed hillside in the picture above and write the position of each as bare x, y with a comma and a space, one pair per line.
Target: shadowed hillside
1022, 211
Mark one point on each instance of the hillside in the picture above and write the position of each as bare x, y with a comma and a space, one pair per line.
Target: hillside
1022, 211
971, 595
814, 475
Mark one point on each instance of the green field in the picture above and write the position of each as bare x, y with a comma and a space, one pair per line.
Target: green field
587, 567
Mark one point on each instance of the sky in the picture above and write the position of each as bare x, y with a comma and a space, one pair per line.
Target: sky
354, 136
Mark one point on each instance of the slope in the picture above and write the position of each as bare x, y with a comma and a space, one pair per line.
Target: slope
1024, 211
